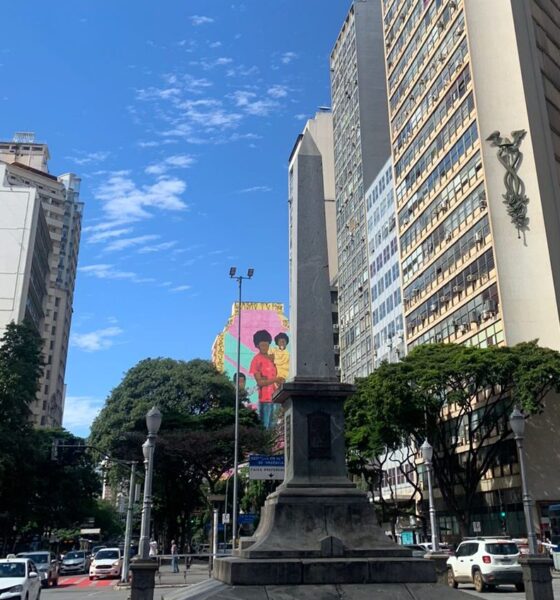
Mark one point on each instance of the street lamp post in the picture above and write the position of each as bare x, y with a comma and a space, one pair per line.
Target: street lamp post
128, 530
427, 454
239, 278
536, 569
517, 423
153, 422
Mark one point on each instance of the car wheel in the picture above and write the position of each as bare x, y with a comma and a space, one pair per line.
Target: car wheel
479, 584
451, 582
90, 578
520, 587
55, 582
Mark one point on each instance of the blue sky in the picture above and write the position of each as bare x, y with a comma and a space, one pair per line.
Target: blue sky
179, 116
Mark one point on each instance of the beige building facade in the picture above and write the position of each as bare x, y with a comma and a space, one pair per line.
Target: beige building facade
27, 165
474, 98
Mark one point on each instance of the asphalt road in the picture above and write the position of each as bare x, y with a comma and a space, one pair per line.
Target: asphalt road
508, 592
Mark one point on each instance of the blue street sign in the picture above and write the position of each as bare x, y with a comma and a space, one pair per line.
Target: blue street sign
246, 518
262, 466
264, 460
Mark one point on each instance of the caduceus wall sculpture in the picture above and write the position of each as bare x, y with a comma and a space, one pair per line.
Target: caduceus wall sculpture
510, 156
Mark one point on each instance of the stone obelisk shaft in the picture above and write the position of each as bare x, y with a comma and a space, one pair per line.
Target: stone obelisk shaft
312, 353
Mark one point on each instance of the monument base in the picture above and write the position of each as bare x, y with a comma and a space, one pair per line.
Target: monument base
217, 590
297, 571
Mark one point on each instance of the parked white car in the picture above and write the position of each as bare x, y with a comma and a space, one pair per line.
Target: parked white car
19, 579
485, 562
106, 563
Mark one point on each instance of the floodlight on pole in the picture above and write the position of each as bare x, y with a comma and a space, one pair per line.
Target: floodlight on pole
239, 278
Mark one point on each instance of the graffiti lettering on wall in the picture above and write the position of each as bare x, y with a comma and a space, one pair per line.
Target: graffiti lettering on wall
264, 355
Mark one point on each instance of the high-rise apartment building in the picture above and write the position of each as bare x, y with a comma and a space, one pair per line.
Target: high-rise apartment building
25, 247
473, 89
384, 269
460, 72
361, 148
27, 169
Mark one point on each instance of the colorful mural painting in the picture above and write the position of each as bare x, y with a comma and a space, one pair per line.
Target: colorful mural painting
264, 356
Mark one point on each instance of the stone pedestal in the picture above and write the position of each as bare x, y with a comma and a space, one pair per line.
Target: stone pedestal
537, 577
143, 579
439, 560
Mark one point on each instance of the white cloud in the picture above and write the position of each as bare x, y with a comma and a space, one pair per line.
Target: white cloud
256, 188
215, 44
106, 271
152, 93
157, 247
208, 64
178, 161
248, 102
180, 288
125, 201
101, 339
103, 235
278, 91
197, 20
85, 158
288, 57
130, 242
79, 413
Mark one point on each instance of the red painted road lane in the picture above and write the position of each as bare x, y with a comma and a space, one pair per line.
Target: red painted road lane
83, 581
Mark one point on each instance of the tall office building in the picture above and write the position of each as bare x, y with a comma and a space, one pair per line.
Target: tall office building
26, 245
27, 169
458, 74
384, 269
474, 89
361, 147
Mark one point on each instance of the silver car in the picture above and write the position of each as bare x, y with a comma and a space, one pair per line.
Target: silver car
75, 561
46, 564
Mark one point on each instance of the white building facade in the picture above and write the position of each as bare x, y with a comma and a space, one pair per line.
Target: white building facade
384, 269
26, 165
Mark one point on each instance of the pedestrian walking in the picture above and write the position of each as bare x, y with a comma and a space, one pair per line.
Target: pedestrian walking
153, 548
174, 557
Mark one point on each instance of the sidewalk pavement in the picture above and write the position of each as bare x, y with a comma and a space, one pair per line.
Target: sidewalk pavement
165, 578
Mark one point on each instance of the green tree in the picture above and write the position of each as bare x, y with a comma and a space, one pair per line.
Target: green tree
195, 444
20, 368
460, 399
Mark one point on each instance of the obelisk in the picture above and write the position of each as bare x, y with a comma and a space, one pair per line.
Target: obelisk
318, 536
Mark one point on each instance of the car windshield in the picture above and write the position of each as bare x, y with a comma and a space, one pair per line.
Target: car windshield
12, 570
107, 554
502, 548
37, 558
71, 555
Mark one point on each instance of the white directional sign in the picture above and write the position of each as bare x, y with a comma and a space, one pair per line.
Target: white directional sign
262, 466
225, 518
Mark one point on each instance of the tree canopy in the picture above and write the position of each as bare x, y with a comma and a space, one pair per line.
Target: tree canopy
459, 398
195, 445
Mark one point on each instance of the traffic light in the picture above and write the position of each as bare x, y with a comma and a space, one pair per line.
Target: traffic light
503, 520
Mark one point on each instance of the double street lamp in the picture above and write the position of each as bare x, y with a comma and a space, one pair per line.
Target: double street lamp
239, 278
517, 424
153, 422
427, 455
